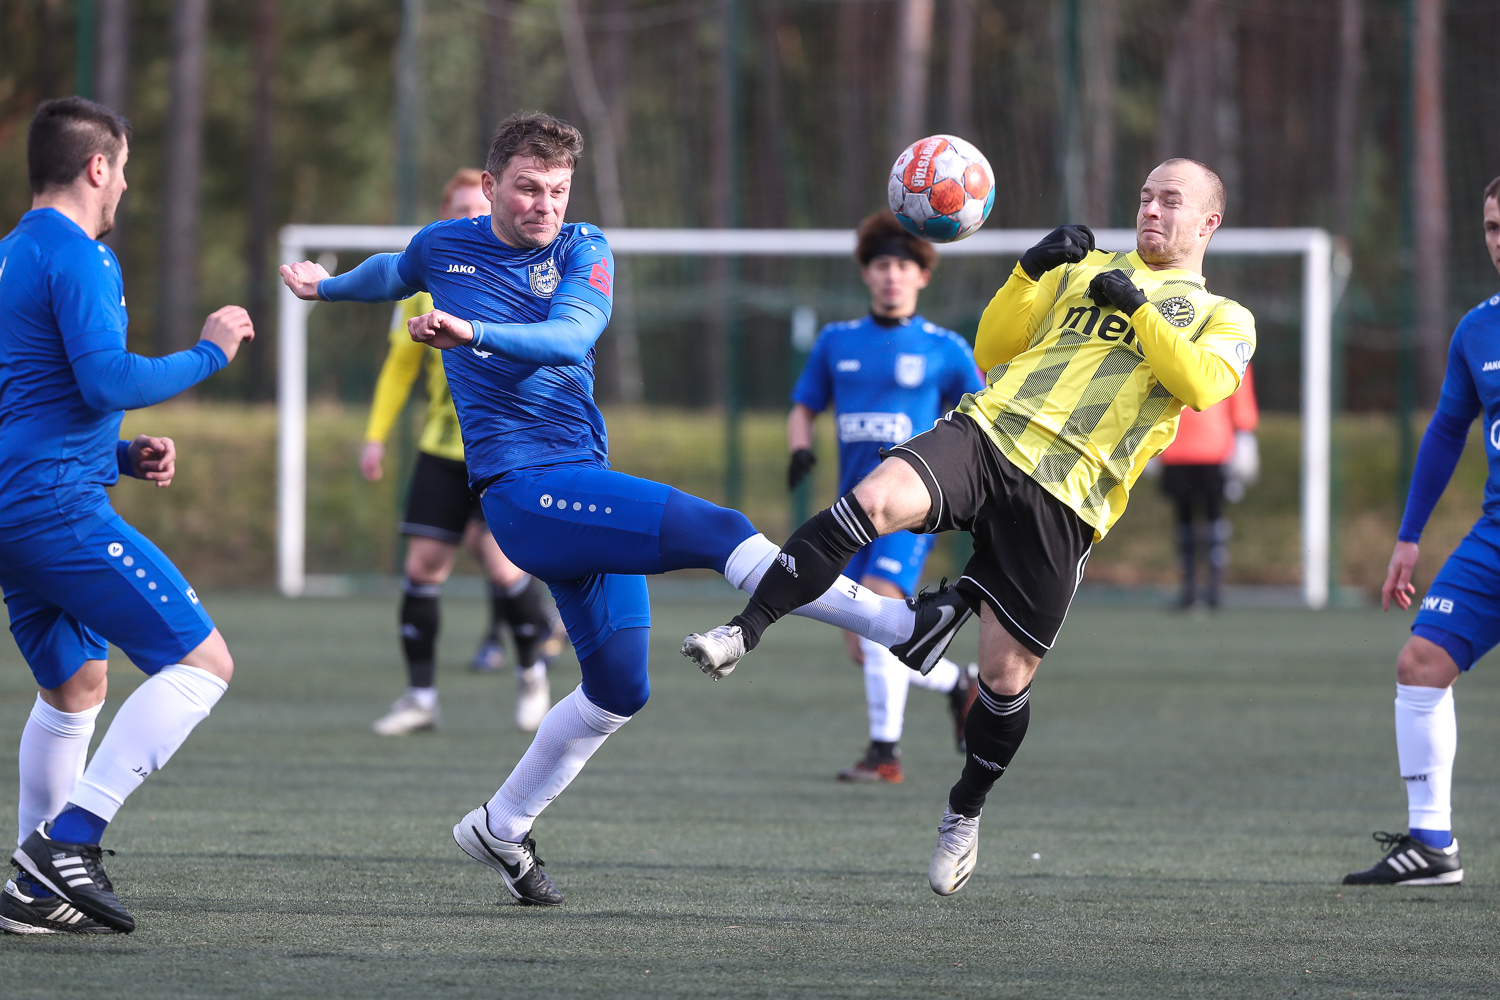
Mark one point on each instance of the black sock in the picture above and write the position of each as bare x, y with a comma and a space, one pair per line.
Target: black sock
419, 631
499, 610
994, 731
809, 563
529, 621
883, 750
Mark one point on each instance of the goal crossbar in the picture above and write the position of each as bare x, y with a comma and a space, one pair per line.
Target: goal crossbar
1313, 246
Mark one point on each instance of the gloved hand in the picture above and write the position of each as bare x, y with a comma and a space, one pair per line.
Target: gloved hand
1064, 245
1243, 467
1114, 288
803, 460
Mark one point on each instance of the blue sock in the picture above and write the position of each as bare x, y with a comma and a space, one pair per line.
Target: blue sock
1433, 838
77, 826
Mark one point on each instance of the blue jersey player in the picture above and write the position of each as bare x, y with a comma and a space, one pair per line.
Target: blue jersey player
1459, 618
75, 575
886, 375
520, 300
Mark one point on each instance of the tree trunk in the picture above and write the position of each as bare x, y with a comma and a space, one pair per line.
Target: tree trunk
113, 55
850, 56
184, 161
1199, 115
1099, 35
495, 106
262, 166
610, 191
770, 193
1430, 208
1346, 117
961, 68
48, 50
407, 133
911, 72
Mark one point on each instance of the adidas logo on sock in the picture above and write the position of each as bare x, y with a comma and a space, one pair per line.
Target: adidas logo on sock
789, 564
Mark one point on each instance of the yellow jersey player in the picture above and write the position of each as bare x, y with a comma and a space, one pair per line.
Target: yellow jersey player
1091, 357
442, 513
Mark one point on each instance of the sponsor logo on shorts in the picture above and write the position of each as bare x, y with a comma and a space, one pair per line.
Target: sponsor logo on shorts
546, 499
888, 564
886, 428
116, 550
1443, 605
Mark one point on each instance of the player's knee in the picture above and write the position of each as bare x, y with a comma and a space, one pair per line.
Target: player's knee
212, 656
1424, 663
893, 497
428, 561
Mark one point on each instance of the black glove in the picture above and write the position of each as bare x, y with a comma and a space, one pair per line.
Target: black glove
803, 460
1114, 288
1064, 245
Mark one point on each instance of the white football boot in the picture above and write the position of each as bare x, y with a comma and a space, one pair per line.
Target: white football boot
716, 651
407, 716
953, 858
533, 697
519, 867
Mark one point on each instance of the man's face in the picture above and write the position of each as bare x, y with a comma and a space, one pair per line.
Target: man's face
1172, 218
1492, 230
528, 201
894, 283
113, 187
467, 202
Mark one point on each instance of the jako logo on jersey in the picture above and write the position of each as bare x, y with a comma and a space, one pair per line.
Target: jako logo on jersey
788, 563
461, 268
1178, 311
544, 277
1490, 366
847, 365
1443, 605
887, 428
910, 369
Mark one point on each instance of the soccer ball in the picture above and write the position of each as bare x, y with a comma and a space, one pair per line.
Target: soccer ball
941, 188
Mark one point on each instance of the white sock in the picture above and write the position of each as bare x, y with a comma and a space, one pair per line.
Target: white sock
845, 605
1426, 743
145, 733
943, 677
568, 736
54, 747
886, 683
426, 698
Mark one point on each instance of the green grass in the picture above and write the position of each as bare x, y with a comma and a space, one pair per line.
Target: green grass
1194, 789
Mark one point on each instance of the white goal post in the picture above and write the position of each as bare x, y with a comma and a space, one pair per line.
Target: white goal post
1314, 246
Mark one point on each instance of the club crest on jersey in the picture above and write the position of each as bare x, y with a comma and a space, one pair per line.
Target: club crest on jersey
544, 278
910, 369
1178, 311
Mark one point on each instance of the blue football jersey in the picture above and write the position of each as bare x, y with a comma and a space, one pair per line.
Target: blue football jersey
885, 384
516, 415
1472, 386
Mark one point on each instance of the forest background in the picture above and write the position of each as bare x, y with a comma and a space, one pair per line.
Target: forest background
1370, 118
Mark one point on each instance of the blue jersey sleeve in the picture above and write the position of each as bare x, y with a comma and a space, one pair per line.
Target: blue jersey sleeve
814, 386
588, 273
380, 278
579, 312
1443, 442
89, 303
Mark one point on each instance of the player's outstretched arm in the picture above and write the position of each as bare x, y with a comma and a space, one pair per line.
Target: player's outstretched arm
303, 277
1397, 586
377, 279
565, 337
112, 378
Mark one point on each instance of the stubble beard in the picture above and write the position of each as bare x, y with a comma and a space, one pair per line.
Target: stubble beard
517, 236
1168, 251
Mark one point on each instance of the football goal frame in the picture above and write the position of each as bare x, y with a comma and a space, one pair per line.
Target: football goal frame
1313, 246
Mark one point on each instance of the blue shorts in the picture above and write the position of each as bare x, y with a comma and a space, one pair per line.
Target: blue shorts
1461, 610
68, 598
897, 557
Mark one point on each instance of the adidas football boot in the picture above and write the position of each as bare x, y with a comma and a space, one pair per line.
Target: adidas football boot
953, 858
76, 873
716, 651
1408, 861
28, 907
519, 867
939, 616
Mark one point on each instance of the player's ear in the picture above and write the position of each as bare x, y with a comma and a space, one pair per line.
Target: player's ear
487, 185
924, 278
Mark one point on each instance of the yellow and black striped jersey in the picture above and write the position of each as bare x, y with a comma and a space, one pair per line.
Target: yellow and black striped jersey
403, 363
1080, 397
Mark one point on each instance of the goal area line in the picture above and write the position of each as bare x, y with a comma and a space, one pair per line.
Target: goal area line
1313, 246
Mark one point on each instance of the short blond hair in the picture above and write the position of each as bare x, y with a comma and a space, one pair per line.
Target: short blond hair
462, 178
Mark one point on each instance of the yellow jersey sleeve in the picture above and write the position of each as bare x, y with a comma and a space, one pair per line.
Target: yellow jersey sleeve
1201, 370
399, 372
1013, 316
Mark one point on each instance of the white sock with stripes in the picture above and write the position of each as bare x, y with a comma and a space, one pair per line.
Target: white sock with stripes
568, 736
54, 747
846, 605
146, 731
886, 682
1426, 743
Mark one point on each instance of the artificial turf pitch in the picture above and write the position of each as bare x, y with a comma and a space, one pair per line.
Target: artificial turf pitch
1176, 825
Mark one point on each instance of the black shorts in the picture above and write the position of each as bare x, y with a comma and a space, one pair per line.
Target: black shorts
1190, 486
1029, 547
440, 504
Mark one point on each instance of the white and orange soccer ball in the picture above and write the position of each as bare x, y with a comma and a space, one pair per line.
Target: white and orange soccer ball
941, 188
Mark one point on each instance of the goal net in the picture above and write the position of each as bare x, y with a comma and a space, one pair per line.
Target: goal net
676, 281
